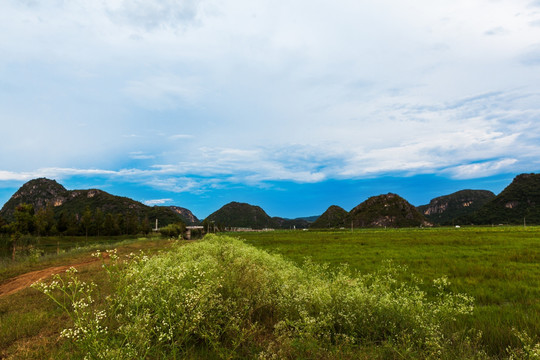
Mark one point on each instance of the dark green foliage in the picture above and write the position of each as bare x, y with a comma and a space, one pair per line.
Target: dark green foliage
333, 217
388, 210
83, 212
173, 230
519, 201
444, 210
24, 218
38, 192
244, 215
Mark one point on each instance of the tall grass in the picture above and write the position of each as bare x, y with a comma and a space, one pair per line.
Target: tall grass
34, 257
221, 298
498, 266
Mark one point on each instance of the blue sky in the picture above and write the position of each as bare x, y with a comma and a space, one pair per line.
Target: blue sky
293, 106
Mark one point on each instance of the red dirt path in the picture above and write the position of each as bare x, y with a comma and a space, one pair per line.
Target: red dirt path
25, 280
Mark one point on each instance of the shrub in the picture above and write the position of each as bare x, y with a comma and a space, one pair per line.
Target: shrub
223, 298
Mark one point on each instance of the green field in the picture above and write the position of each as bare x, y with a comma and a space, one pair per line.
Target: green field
498, 266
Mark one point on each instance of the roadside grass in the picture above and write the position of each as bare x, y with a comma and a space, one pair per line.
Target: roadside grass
498, 266
30, 323
70, 249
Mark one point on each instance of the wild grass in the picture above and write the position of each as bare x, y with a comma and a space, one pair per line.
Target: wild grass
35, 256
498, 266
30, 324
225, 299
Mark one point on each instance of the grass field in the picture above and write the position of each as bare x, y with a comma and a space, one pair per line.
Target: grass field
498, 266
30, 323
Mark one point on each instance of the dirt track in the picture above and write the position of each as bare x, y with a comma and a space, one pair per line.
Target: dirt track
25, 280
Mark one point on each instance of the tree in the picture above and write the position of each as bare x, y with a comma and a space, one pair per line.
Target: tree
44, 221
146, 228
110, 225
24, 218
98, 219
132, 224
86, 221
173, 230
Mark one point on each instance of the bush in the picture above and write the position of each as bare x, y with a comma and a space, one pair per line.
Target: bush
223, 298
173, 230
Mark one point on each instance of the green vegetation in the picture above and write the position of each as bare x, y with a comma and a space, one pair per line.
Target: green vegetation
36, 253
388, 210
221, 298
242, 215
518, 202
30, 323
333, 217
50, 209
497, 266
444, 210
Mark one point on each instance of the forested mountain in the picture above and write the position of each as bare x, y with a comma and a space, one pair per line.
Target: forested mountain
518, 202
388, 210
445, 209
242, 215
333, 217
96, 212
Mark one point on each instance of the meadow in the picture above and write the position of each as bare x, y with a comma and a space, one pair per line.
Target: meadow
498, 266
446, 293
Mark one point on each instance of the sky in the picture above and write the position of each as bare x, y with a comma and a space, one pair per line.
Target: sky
290, 105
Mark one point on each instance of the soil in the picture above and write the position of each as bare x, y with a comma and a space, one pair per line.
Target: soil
25, 280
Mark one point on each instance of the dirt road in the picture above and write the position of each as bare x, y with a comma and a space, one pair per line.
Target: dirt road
25, 280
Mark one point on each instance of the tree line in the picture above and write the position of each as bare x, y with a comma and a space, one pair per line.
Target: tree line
44, 222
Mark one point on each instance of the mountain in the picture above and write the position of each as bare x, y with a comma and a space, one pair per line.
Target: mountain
518, 201
237, 214
309, 219
38, 192
385, 210
444, 209
333, 217
186, 215
42, 193
298, 223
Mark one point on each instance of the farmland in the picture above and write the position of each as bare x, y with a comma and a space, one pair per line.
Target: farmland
496, 267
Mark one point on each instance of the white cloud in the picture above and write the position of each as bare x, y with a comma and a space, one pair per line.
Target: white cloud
180, 136
154, 14
482, 169
299, 91
157, 202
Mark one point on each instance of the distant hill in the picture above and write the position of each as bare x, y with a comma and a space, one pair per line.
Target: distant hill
389, 210
333, 217
519, 200
186, 215
298, 223
44, 192
444, 210
237, 214
309, 218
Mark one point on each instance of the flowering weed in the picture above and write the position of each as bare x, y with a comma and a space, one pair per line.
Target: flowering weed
230, 300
